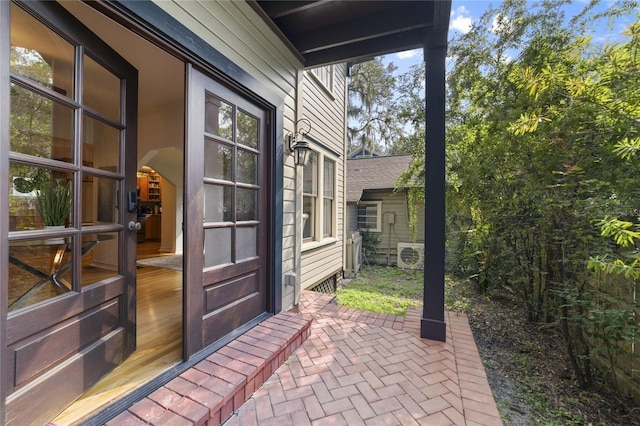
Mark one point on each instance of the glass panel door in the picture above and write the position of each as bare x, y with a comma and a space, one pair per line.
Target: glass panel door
52, 157
71, 260
227, 184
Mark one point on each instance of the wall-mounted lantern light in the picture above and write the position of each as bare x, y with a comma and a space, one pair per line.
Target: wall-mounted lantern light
297, 145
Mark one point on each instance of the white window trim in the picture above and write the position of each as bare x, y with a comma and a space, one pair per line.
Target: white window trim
320, 239
312, 245
332, 73
378, 205
332, 231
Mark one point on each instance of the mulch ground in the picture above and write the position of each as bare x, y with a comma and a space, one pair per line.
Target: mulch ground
529, 374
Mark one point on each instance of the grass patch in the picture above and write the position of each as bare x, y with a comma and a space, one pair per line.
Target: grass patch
391, 290
385, 290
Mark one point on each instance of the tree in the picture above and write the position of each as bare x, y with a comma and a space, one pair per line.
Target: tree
592, 98
410, 109
538, 121
372, 122
30, 112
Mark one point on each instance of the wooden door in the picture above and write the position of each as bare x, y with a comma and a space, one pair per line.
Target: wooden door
225, 214
71, 150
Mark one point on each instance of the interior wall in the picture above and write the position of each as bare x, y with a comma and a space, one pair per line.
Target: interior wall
162, 126
161, 147
168, 163
171, 240
160, 107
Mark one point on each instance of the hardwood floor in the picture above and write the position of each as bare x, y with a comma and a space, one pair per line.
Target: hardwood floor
159, 339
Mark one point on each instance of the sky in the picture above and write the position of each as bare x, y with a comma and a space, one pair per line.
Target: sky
465, 12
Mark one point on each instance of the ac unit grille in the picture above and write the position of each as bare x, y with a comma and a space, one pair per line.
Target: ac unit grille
410, 255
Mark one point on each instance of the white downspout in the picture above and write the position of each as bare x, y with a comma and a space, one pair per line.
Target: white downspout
297, 288
345, 212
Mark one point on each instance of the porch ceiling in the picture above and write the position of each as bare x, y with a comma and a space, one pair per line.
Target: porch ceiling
331, 31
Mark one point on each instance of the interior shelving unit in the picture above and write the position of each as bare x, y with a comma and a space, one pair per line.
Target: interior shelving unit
154, 188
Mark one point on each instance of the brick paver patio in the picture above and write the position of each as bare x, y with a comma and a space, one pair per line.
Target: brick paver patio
329, 365
361, 368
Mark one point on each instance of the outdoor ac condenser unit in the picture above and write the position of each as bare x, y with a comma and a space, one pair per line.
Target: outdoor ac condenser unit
410, 255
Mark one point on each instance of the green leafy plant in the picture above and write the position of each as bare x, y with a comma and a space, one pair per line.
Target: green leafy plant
54, 202
370, 243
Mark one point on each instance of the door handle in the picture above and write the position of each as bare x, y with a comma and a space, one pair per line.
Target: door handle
134, 226
132, 201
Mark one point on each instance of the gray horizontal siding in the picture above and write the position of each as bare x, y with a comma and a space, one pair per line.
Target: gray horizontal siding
393, 203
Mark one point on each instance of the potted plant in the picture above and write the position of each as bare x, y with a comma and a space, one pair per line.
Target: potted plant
54, 202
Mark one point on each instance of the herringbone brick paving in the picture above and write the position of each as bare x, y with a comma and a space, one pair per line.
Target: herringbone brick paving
373, 369
329, 365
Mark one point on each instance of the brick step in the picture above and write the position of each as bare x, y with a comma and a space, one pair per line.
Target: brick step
213, 389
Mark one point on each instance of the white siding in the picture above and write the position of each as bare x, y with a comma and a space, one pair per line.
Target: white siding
236, 31
326, 112
393, 203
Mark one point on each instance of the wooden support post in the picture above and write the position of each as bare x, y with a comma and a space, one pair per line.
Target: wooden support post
432, 324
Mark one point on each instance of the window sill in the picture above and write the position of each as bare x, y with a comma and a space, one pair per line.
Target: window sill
312, 245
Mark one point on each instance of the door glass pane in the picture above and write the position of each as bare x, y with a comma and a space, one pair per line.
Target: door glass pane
99, 257
246, 242
246, 204
101, 89
218, 203
99, 200
40, 126
23, 181
100, 145
217, 160
217, 246
247, 167
218, 117
40, 54
35, 269
39, 197
247, 130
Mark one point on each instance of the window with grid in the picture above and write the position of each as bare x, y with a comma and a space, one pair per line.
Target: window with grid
310, 196
369, 216
318, 205
328, 197
324, 75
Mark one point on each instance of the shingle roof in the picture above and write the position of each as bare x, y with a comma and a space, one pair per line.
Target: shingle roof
373, 173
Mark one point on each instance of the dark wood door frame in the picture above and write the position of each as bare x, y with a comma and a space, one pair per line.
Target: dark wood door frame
5, 107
